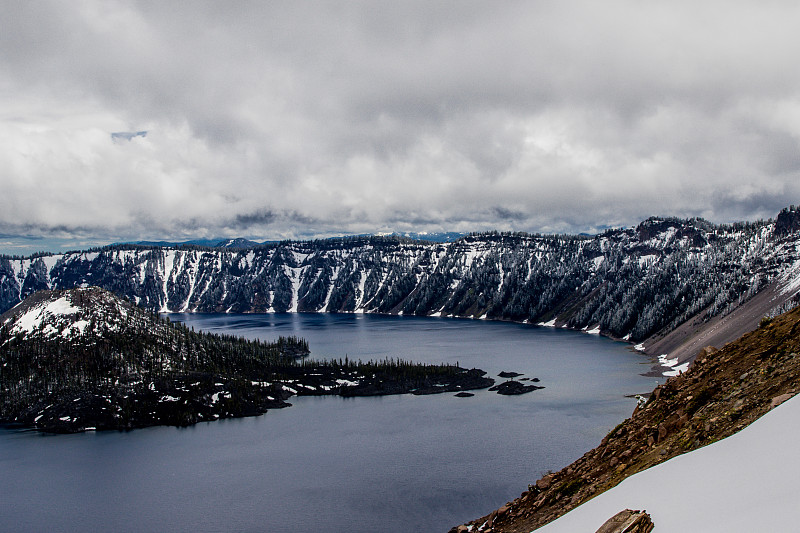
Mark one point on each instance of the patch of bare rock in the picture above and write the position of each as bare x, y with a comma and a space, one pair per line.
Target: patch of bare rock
628, 521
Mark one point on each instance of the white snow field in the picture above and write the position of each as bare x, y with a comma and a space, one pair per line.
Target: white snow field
747, 482
36, 315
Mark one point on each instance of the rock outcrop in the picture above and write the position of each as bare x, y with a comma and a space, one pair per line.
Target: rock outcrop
628, 521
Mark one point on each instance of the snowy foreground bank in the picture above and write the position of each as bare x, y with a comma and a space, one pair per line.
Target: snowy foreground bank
744, 483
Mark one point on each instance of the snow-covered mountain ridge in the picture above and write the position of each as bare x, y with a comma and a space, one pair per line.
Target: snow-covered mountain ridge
630, 283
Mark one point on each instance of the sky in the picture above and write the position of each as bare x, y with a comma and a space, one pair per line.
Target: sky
272, 120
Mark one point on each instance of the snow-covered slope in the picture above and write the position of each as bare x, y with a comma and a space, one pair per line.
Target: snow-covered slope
744, 483
67, 314
33, 318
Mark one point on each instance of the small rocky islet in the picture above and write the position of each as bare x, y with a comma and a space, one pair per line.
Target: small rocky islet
514, 388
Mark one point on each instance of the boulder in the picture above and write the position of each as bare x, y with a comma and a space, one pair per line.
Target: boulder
628, 521
705, 352
544, 483
777, 400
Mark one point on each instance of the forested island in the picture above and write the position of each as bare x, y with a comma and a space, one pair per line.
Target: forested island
85, 359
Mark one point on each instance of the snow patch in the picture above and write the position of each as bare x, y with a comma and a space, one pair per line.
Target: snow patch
676, 368
294, 274
362, 280
169, 263
80, 325
664, 360
34, 317
791, 279
647, 260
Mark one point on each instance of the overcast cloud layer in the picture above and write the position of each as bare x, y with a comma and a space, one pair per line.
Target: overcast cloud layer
298, 119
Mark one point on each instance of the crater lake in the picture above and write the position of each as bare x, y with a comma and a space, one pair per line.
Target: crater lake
389, 464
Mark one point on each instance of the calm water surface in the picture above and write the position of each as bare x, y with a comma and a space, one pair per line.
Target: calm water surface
395, 463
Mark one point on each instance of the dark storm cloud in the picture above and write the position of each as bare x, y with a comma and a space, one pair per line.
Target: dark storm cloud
246, 220
508, 214
301, 118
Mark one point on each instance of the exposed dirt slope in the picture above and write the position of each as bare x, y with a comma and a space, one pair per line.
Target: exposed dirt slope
721, 393
696, 333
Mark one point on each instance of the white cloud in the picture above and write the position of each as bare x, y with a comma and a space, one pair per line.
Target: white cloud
291, 119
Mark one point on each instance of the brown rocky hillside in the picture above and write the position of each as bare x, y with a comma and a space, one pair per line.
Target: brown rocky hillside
721, 393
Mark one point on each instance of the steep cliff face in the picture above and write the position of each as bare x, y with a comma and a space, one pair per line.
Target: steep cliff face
628, 283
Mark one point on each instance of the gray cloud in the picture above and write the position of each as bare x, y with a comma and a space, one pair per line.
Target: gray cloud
506, 214
246, 220
287, 119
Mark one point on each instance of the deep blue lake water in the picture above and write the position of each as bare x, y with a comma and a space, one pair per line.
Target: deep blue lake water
395, 463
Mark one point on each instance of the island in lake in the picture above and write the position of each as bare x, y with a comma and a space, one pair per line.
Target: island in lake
85, 359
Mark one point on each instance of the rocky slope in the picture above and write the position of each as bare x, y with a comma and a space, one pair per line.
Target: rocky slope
639, 284
86, 359
721, 393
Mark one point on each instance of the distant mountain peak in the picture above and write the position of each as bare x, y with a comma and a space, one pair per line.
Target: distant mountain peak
236, 243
